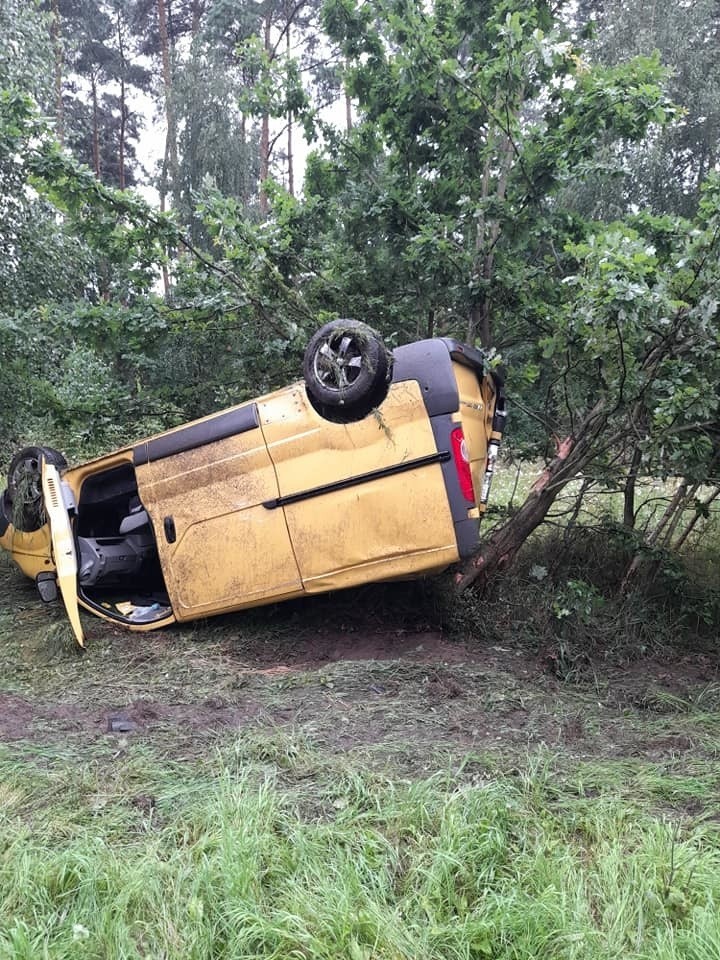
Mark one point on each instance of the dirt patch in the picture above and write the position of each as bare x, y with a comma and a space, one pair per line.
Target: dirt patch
152, 716
413, 695
22, 719
357, 673
676, 674
19, 717
311, 651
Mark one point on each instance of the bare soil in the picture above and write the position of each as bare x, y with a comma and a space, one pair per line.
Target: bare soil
347, 675
413, 693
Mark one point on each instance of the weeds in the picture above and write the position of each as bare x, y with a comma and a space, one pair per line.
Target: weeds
562, 598
223, 862
447, 801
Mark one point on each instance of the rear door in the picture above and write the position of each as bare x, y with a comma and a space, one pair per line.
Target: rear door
204, 486
477, 401
63, 545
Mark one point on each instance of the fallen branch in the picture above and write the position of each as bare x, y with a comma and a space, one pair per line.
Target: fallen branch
572, 453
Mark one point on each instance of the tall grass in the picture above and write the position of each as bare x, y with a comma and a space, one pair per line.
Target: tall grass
229, 863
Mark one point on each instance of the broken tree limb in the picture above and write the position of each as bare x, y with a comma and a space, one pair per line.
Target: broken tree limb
572, 454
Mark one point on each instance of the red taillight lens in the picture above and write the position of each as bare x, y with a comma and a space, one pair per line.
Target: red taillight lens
462, 464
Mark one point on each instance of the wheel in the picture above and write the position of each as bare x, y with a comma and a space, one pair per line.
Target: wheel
5, 512
24, 486
347, 369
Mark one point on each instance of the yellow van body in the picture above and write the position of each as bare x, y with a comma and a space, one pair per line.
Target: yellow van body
271, 500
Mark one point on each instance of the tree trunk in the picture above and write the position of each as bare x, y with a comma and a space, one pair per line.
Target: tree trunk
696, 516
162, 190
57, 47
475, 315
676, 504
503, 545
479, 324
629, 492
171, 135
196, 18
291, 172
265, 136
96, 133
484, 323
577, 507
499, 160
348, 108
669, 533
123, 106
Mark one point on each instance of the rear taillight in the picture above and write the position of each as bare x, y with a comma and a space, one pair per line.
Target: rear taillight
462, 464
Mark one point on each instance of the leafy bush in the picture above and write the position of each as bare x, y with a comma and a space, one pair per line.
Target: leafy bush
564, 597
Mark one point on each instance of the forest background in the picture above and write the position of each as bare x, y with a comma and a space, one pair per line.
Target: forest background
538, 179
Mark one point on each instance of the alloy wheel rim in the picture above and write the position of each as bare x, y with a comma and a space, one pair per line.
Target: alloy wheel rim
338, 362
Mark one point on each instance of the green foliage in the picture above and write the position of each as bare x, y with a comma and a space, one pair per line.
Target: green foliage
128, 238
25, 50
452, 207
579, 599
218, 145
277, 88
40, 256
665, 171
67, 239
643, 330
445, 192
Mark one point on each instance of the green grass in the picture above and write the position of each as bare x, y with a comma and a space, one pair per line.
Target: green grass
236, 856
552, 794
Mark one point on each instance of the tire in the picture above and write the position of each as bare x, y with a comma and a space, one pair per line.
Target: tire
347, 369
5, 512
24, 486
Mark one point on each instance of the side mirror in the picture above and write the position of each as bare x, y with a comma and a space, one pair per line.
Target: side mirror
46, 584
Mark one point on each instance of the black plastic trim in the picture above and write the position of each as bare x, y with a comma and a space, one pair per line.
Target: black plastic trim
500, 416
466, 355
169, 528
43, 577
195, 435
429, 363
5, 512
440, 457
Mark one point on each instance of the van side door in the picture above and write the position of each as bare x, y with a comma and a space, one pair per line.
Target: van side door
204, 485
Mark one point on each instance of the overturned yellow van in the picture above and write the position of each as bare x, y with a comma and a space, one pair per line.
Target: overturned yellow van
376, 466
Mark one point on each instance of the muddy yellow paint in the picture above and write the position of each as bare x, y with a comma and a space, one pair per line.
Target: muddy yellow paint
477, 405
229, 551
30, 551
392, 526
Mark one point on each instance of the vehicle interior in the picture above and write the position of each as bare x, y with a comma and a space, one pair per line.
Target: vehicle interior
118, 567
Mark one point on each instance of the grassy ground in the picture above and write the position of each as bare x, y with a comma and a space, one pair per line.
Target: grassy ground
385, 773
251, 854
378, 774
